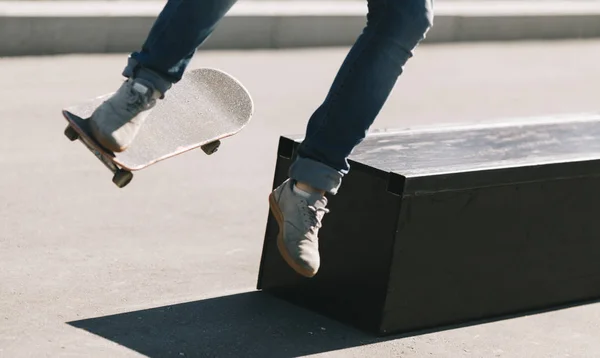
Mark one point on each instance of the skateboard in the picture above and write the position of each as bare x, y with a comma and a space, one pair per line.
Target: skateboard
207, 105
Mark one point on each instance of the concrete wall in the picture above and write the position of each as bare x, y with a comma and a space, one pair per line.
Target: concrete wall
41, 28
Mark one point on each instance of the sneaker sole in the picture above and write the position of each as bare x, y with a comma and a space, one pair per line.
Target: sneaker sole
278, 215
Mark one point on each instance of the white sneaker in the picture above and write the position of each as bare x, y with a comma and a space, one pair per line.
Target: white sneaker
117, 121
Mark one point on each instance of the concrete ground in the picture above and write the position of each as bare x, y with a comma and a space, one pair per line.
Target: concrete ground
167, 266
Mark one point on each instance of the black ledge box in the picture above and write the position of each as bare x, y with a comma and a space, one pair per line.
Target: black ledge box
442, 226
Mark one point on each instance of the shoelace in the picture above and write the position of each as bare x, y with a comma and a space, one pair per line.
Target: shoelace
315, 220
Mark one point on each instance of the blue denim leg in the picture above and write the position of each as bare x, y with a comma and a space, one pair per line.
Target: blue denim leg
368, 74
180, 28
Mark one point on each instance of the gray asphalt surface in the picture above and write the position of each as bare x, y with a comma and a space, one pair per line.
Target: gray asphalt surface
167, 266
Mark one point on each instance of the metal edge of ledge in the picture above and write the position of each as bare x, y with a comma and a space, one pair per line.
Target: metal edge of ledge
29, 28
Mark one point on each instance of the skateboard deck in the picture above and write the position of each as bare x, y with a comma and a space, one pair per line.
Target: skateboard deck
207, 105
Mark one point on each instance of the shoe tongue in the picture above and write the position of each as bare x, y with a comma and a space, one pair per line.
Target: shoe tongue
317, 200
138, 87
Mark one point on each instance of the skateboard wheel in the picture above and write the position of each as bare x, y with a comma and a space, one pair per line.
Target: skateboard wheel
71, 133
211, 147
122, 178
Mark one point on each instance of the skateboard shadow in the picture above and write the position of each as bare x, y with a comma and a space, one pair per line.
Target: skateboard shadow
252, 324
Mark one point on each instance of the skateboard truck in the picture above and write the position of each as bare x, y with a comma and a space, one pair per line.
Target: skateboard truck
121, 177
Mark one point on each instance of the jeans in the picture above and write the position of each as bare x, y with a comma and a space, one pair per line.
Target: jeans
363, 83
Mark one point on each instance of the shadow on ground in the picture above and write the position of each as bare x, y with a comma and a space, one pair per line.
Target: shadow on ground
252, 324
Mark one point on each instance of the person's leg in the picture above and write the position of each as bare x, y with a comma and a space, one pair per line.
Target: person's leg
359, 91
181, 27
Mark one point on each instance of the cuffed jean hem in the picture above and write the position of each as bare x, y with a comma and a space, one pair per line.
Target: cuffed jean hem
316, 174
136, 70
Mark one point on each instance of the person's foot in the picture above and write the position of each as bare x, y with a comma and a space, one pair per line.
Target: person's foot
299, 215
117, 121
